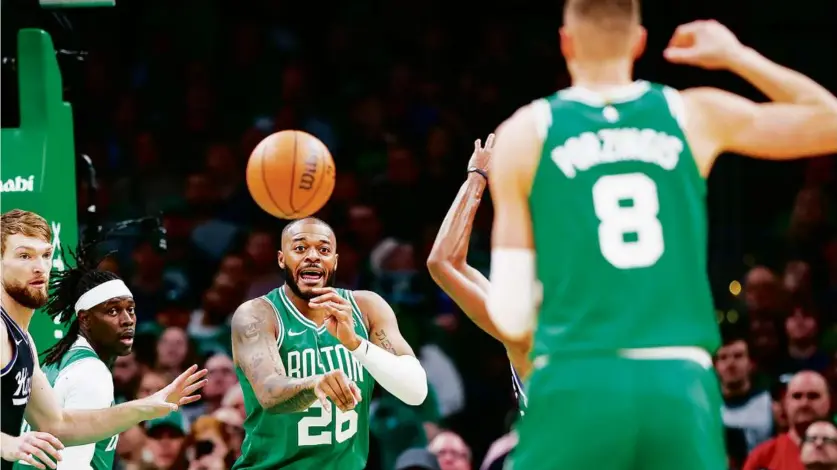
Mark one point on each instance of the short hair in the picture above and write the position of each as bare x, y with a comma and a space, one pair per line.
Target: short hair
26, 223
305, 220
609, 13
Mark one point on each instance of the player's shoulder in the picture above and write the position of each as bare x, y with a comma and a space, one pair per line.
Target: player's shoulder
253, 310
367, 299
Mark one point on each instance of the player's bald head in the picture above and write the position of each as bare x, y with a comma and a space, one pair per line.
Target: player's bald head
601, 29
311, 225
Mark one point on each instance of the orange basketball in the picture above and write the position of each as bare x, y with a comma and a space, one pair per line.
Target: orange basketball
290, 174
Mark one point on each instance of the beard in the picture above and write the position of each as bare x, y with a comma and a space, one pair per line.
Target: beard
290, 280
25, 295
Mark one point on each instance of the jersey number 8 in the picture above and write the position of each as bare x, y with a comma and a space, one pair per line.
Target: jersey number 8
345, 426
630, 235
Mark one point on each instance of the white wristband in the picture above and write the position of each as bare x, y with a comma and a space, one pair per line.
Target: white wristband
402, 376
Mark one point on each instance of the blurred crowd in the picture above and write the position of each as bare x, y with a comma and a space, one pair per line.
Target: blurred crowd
172, 98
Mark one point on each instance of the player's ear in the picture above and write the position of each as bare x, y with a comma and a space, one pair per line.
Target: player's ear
280, 258
336, 257
640, 42
83, 318
567, 48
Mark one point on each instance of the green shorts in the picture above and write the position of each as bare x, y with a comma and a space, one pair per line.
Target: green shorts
615, 413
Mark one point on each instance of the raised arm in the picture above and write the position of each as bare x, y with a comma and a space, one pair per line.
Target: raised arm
800, 120
515, 292
447, 261
254, 333
77, 427
387, 356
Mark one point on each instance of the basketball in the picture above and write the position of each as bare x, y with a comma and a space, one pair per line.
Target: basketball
290, 174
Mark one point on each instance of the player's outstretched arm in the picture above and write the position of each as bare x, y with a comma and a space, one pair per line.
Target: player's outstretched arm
254, 334
387, 356
514, 293
77, 427
800, 120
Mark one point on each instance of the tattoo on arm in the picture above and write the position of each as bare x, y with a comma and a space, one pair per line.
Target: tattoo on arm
255, 351
381, 337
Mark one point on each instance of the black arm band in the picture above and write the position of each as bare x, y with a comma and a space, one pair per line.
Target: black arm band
478, 171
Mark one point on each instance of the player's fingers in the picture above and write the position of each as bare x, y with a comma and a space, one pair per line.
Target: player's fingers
47, 447
322, 397
189, 399
346, 392
356, 392
31, 460
679, 55
37, 454
194, 387
477, 145
489, 142
331, 390
49, 438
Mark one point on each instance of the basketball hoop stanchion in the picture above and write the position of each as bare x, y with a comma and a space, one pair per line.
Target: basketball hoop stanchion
38, 171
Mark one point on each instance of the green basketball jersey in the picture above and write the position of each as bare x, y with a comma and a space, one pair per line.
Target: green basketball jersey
619, 220
310, 439
105, 449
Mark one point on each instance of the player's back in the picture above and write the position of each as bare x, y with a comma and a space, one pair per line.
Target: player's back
619, 222
312, 438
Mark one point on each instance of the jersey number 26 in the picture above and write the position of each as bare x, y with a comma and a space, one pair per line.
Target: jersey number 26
630, 234
345, 426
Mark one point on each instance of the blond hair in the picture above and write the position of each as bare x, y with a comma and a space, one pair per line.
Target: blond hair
26, 223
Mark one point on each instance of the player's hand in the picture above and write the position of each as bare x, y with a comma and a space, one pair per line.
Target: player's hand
707, 44
482, 155
339, 319
342, 391
178, 393
35, 448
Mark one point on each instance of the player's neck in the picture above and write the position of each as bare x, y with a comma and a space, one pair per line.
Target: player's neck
20, 314
601, 75
301, 304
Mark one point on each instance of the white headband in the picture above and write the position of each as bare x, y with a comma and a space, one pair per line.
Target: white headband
102, 293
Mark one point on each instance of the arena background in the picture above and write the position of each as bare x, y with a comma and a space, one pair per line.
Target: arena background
169, 98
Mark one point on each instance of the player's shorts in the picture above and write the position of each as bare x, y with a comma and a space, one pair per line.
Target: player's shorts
618, 413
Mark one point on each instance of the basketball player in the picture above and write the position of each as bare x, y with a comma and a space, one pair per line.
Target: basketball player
464, 284
78, 366
24, 388
599, 195
306, 355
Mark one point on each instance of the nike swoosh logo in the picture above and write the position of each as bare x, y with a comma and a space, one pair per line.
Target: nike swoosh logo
18, 342
295, 333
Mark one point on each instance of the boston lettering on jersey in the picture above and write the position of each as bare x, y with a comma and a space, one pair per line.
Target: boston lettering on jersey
309, 362
588, 149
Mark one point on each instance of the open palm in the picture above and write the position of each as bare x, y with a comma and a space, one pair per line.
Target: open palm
180, 392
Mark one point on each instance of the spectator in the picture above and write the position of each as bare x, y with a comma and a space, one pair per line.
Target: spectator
174, 352
220, 379
234, 399
261, 251
129, 448
807, 400
165, 439
746, 408
453, 453
802, 328
151, 383
416, 459
819, 448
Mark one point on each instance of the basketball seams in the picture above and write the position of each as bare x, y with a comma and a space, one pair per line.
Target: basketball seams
316, 189
263, 172
293, 178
